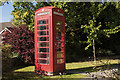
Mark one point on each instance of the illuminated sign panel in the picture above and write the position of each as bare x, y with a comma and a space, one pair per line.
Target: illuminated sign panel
44, 13
58, 13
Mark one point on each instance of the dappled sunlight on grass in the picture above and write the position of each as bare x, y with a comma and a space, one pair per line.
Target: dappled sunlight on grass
75, 65
24, 73
30, 70
26, 69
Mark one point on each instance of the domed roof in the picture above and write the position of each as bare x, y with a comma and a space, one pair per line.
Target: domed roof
47, 7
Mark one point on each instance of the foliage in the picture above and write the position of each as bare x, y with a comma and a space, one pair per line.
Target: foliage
3, 2
94, 29
6, 51
6, 54
86, 22
91, 31
103, 18
23, 13
111, 44
22, 41
76, 14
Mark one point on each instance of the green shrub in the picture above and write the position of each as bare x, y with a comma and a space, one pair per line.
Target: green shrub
6, 60
6, 51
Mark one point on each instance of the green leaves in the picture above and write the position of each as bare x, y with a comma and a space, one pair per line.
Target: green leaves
3, 2
92, 32
97, 27
111, 31
23, 13
82, 20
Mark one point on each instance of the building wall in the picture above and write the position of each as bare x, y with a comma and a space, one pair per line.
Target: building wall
5, 24
1, 36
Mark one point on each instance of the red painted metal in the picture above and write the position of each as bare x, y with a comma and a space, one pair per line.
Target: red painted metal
49, 40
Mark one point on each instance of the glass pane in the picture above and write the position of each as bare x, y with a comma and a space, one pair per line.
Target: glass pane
59, 55
47, 32
41, 33
48, 58
43, 39
59, 60
43, 61
58, 38
47, 21
43, 50
41, 28
43, 44
38, 61
43, 55
58, 44
58, 49
58, 28
58, 34
41, 22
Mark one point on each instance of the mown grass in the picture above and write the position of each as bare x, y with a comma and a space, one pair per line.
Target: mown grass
76, 69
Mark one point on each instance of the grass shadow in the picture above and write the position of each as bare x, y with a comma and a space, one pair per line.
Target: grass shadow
88, 69
32, 76
21, 76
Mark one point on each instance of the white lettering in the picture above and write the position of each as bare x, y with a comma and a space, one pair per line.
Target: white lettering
58, 13
44, 13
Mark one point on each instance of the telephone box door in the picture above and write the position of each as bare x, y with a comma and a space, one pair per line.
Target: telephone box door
59, 41
43, 42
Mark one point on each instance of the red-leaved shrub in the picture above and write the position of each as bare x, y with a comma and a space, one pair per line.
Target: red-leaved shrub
22, 41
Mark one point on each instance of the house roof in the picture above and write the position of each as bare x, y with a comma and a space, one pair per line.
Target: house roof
5, 29
4, 26
47, 7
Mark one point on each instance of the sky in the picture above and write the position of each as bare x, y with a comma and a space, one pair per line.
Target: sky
5, 12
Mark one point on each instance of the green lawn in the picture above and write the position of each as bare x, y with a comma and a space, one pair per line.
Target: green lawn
76, 67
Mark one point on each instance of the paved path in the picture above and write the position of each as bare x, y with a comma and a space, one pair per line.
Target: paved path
102, 75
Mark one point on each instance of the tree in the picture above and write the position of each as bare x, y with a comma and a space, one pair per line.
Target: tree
3, 2
92, 36
101, 16
94, 19
71, 30
94, 28
23, 13
22, 41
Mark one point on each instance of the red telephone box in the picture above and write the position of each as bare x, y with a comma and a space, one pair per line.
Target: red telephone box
49, 40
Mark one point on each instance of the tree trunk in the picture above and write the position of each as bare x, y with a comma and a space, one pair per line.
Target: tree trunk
94, 50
